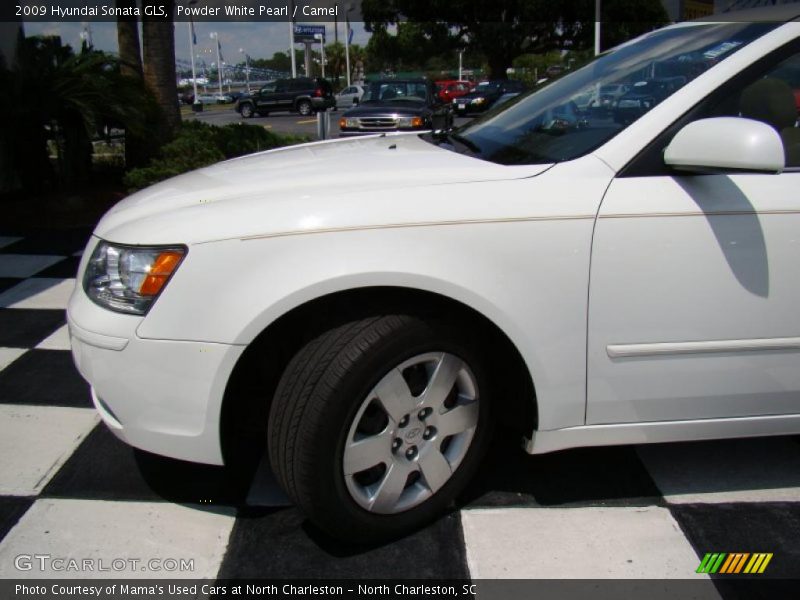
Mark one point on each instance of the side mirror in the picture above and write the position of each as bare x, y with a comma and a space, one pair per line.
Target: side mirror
726, 144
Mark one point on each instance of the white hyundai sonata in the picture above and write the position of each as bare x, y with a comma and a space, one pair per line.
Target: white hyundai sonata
370, 307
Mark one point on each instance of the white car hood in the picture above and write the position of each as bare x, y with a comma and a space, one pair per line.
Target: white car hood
276, 191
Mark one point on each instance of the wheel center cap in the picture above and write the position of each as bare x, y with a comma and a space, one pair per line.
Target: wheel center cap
413, 434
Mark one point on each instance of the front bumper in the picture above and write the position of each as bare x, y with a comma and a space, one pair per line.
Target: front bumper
362, 132
163, 396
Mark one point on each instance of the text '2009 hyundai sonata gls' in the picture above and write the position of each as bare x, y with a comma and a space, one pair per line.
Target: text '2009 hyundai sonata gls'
371, 307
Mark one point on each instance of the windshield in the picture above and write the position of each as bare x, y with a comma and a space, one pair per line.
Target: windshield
384, 92
586, 108
487, 86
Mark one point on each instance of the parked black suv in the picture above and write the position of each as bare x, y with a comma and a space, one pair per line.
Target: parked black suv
303, 95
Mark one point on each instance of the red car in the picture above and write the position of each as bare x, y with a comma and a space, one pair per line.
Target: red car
451, 88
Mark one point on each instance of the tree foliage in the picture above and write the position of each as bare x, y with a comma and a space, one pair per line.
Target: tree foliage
503, 29
199, 144
64, 98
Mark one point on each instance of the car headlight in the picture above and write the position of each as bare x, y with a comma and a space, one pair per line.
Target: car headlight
479, 101
128, 279
349, 122
629, 104
409, 122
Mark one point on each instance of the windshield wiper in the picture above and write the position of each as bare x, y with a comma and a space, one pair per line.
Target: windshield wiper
465, 142
446, 136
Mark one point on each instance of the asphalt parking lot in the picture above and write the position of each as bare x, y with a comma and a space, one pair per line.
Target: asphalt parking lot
68, 487
282, 122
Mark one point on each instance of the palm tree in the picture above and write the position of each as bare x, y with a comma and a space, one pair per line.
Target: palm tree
66, 98
11, 33
130, 55
358, 60
334, 53
158, 43
138, 149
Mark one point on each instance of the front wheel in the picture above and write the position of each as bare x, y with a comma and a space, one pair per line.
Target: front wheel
377, 424
246, 110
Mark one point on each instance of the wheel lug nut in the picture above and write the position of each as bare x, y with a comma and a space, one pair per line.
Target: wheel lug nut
404, 421
429, 433
411, 452
424, 413
396, 443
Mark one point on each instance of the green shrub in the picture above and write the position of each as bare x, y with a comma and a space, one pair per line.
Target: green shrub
199, 144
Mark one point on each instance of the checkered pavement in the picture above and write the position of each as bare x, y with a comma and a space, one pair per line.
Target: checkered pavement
69, 488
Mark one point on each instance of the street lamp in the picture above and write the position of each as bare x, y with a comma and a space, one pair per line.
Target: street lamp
597, 21
348, 8
291, 44
214, 36
321, 38
246, 68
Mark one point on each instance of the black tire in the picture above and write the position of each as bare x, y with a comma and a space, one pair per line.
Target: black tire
246, 110
318, 399
304, 107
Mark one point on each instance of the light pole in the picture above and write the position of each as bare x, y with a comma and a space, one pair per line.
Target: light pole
596, 27
348, 8
215, 37
460, 63
322, 54
197, 106
86, 35
291, 45
246, 68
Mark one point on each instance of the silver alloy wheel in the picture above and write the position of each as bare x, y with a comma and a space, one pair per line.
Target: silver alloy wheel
304, 107
411, 433
247, 111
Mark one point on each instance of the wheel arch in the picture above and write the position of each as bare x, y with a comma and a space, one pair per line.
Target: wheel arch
248, 393
299, 99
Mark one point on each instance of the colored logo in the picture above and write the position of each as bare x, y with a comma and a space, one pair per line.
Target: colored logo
734, 563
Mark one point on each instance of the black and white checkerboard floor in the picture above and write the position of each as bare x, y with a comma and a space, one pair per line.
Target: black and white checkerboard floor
70, 489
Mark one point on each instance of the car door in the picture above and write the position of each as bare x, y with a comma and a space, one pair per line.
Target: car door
285, 94
266, 97
694, 302
348, 96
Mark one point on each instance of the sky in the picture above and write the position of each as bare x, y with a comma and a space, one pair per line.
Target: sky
258, 39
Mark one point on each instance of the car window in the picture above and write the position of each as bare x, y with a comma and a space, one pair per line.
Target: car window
281, 86
393, 91
534, 129
772, 97
269, 88
487, 86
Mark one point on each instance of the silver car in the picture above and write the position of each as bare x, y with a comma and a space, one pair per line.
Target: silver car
349, 96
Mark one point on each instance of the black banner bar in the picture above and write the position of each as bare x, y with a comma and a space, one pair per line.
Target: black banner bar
499, 589
306, 11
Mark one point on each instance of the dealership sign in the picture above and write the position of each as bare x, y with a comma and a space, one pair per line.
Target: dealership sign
309, 33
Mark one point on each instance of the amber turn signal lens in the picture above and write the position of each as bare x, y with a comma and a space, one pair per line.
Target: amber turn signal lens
164, 265
416, 122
